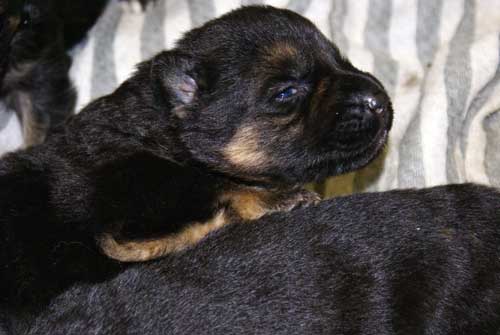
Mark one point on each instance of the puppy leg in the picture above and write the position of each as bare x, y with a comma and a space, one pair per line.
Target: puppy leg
35, 126
47, 100
248, 205
137, 251
297, 198
251, 204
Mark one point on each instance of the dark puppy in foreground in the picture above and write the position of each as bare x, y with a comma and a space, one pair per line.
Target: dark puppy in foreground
226, 126
34, 79
402, 262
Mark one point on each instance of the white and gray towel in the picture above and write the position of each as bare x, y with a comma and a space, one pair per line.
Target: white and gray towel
439, 60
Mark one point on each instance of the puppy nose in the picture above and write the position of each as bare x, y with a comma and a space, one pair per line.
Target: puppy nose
376, 103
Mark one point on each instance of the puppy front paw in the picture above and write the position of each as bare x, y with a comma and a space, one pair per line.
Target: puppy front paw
300, 198
252, 204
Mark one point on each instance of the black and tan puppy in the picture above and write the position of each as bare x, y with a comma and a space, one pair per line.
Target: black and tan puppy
35, 81
229, 124
259, 114
396, 263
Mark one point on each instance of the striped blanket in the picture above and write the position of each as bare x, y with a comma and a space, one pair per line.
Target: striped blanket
439, 60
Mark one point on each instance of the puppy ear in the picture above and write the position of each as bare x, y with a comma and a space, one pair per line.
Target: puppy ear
177, 77
183, 87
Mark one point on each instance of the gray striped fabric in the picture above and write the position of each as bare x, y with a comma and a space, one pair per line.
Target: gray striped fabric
439, 59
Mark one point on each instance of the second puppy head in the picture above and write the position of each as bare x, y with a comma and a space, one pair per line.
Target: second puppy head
260, 94
28, 28
8, 27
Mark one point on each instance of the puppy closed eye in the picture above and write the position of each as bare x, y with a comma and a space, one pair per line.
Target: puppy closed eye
286, 94
25, 20
31, 15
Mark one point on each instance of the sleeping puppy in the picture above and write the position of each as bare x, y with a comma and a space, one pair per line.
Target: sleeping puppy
402, 262
34, 81
227, 126
255, 114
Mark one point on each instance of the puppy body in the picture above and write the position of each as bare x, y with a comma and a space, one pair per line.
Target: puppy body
213, 130
402, 262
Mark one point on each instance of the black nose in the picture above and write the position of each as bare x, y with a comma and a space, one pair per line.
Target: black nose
366, 112
376, 103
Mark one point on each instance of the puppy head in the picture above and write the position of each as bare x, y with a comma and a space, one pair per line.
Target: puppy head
264, 96
27, 27
8, 26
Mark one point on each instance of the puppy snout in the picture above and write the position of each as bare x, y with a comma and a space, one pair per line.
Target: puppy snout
363, 116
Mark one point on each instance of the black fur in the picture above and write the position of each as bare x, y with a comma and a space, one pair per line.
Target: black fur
35, 82
77, 17
193, 126
401, 262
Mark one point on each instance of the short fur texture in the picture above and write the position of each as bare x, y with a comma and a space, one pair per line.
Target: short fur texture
402, 262
34, 81
229, 117
226, 126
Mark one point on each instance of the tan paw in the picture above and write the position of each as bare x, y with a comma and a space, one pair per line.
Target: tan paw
298, 199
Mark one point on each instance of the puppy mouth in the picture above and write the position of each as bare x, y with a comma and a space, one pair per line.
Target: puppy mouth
353, 136
351, 157
367, 149
378, 142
